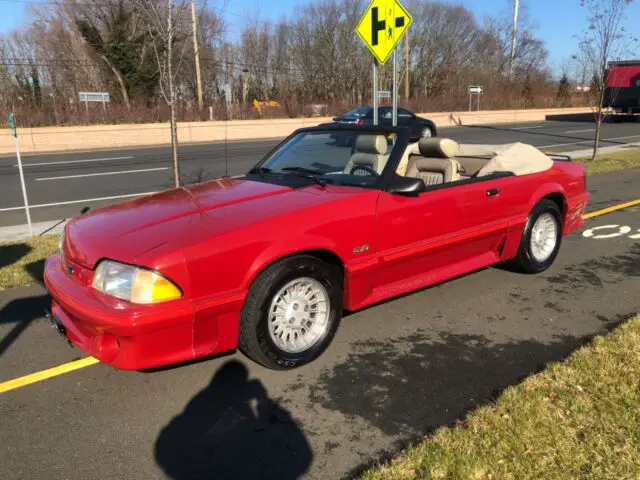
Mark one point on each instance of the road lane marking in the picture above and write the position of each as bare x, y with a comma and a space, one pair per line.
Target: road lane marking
603, 140
613, 208
88, 361
581, 131
46, 374
67, 162
86, 200
529, 128
619, 232
121, 172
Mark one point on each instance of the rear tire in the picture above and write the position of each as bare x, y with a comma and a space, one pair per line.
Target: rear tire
541, 238
272, 312
427, 132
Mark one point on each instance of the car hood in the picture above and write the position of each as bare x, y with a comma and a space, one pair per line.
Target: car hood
130, 230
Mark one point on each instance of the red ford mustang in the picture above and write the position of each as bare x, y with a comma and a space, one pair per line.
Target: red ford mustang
266, 262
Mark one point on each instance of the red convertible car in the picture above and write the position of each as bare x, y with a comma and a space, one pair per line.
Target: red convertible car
266, 262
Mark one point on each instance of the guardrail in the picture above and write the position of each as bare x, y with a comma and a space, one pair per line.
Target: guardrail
106, 137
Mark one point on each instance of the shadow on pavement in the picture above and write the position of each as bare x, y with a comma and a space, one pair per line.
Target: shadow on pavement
571, 117
10, 254
232, 429
23, 311
409, 386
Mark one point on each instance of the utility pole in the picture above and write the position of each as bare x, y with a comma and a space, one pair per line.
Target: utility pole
196, 49
514, 36
406, 67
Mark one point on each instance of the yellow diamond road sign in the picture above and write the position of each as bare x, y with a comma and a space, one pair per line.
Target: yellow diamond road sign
382, 26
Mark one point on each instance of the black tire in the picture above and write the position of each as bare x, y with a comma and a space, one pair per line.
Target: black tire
254, 338
525, 260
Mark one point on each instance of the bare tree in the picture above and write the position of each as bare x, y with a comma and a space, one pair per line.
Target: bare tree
604, 40
167, 23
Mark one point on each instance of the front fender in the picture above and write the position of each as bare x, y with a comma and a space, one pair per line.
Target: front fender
278, 250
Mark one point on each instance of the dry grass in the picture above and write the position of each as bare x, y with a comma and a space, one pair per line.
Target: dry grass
22, 262
577, 419
610, 162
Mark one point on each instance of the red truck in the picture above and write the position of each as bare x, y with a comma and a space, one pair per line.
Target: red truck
622, 90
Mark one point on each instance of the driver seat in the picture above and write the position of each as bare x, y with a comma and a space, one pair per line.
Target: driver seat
370, 151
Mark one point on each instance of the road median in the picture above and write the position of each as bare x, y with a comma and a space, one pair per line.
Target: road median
101, 137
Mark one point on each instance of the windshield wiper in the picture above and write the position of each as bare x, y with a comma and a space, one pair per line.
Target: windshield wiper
307, 173
260, 170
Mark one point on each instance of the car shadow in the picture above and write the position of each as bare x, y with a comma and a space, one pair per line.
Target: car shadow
23, 311
232, 429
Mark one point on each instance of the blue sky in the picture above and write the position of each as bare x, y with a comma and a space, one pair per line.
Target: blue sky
558, 21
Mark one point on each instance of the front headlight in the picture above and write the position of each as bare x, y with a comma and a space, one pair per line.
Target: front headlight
134, 284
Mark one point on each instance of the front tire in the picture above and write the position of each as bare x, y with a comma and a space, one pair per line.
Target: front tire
292, 312
541, 238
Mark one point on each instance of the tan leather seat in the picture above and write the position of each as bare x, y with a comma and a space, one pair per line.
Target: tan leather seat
435, 164
370, 151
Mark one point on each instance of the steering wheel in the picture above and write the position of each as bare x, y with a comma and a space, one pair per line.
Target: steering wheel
364, 168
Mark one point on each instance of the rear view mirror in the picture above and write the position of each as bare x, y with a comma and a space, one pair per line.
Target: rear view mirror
408, 186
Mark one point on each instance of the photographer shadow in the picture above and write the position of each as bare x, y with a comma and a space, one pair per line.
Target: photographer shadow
232, 429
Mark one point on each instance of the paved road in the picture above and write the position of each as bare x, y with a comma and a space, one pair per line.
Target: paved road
395, 371
67, 183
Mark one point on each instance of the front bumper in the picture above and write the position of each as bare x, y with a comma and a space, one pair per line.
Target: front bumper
130, 337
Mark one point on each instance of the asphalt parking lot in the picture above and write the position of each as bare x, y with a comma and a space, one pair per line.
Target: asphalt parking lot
395, 372
61, 185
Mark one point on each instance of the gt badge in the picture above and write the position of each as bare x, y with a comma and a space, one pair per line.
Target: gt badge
361, 249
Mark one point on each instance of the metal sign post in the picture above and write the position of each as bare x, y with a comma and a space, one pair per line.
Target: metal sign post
381, 27
16, 142
375, 92
394, 92
475, 90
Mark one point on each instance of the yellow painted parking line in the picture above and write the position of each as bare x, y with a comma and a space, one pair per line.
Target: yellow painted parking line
611, 209
88, 361
45, 374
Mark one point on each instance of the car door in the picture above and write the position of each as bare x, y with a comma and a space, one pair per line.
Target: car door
405, 118
444, 232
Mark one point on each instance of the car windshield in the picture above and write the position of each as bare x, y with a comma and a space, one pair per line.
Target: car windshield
360, 112
336, 157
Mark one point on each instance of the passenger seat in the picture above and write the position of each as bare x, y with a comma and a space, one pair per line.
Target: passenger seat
436, 164
370, 151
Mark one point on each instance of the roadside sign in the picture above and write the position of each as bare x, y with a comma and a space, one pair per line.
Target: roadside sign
384, 94
12, 126
382, 26
475, 89
101, 97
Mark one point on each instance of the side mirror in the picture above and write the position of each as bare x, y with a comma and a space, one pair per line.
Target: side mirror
408, 186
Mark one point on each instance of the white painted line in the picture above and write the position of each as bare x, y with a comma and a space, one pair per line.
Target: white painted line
581, 131
86, 200
529, 128
602, 140
67, 162
102, 174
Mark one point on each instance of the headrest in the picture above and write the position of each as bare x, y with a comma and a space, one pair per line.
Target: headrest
438, 147
376, 144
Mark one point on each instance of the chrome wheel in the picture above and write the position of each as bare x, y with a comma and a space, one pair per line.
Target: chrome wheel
544, 237
299, 315
426, 133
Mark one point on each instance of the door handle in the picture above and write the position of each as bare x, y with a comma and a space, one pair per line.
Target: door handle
493, 192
